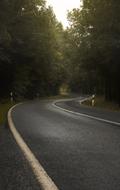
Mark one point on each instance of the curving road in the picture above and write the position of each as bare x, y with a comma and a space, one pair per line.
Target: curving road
77, 152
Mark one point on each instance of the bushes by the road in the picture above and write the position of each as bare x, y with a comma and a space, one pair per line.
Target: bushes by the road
100, 102
4, 107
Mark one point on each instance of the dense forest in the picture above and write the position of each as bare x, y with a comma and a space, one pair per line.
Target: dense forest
95, 48
37, 55
30, 49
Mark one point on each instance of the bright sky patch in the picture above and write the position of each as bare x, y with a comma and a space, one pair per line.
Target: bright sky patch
61, 7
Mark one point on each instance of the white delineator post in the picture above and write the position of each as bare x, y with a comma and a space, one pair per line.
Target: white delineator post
11, 96
93, 100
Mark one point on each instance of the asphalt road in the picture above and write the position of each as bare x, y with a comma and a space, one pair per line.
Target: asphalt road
15, 172
77, 152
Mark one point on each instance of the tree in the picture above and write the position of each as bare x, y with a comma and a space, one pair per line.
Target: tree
95, 29
31, 48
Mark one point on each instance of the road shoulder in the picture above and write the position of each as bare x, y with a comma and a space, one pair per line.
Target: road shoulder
15, 173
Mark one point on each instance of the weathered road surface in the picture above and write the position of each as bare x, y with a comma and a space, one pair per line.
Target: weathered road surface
77, 152
15, 172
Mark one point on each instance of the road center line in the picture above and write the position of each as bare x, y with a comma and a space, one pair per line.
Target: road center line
44, 180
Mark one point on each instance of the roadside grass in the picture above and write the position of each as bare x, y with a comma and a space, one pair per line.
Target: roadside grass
101, 103
4, 107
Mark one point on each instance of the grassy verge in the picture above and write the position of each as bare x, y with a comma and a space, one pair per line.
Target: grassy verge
4, 107
101, 103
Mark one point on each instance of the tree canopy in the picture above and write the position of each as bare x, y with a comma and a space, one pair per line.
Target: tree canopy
37, 55
95, 32
30, 52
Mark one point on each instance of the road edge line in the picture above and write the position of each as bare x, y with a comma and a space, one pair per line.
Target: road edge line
86, 115
44, 180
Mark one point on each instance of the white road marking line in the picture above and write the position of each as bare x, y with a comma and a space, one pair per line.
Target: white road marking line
44, 180
86, 115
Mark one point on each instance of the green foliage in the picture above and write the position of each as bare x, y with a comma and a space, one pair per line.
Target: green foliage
95, 33
100, 102
37, 56
4, 107
31, 41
